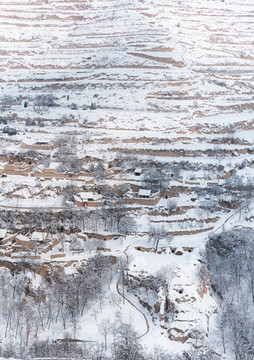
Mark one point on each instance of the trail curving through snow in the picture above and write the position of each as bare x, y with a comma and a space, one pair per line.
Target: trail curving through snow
237, 211
129, 301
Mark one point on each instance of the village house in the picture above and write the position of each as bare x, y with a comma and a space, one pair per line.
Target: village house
5, 252
6, 243
39, 237
38, 145
52, 169
88, 199
49, 172
22, 243
144, 197
8, 240
138, 171
144, 194
50, 245
3, 234
18, 168
86, 180
38, 170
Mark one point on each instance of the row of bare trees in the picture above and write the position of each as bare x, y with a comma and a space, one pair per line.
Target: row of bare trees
27, 310
230, 258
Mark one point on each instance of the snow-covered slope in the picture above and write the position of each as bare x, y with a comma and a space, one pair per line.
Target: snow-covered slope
192, 59
171, 83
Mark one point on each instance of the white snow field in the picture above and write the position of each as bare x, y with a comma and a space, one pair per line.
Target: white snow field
135, 83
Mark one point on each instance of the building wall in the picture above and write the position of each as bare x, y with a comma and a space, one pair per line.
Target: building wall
37, 147
23, 245
57, 256
8, 239
88, 203
142, 201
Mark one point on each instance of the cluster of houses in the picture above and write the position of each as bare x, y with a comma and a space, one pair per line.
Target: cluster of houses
52, 171
13, 244
36, 244
93, 198
137, 196
41, 171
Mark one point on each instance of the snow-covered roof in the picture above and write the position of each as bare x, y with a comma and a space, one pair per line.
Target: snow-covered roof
54, 165
144, 192
40, 167
82, 178
41, 143
38, 236
138, 170
3, 233
22, 238
85, 196
9, 237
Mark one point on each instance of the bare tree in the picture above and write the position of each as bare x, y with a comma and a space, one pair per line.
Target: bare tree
157, 234
171, 206
105, 327
127, 345
155, 179
127, 225
44, 101
122, 268
6, 102
99, 171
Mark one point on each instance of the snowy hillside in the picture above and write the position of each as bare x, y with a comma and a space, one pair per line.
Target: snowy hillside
126, 175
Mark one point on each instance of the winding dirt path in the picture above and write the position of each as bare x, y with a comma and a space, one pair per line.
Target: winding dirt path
237, 211
129, 301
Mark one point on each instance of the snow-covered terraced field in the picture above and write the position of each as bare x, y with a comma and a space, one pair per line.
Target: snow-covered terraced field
173, 83
185, 59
